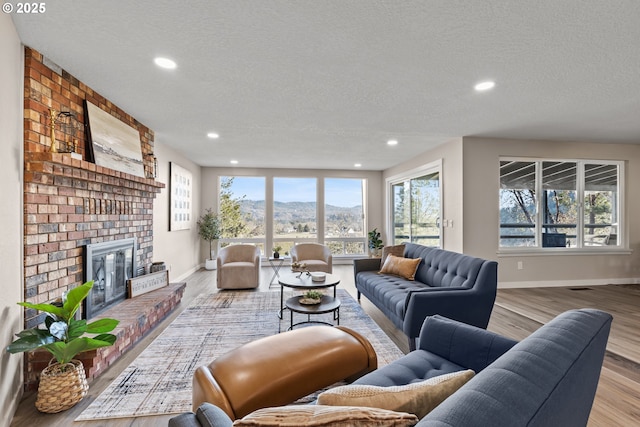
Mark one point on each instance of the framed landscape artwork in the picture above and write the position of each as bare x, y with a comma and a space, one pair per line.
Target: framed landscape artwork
180, 197
112, 143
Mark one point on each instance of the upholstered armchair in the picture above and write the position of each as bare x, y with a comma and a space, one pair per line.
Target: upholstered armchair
317, 257
239, 267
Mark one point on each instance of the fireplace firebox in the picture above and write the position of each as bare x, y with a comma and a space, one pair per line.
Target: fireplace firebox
109, 265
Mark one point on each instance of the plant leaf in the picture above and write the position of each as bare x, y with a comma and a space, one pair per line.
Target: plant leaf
76, 329
110, 339
65, 352
28, 342
33, 331
75, 297
58, 349
47, 308
102, 325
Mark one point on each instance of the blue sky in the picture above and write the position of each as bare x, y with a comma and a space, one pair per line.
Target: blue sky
338, 191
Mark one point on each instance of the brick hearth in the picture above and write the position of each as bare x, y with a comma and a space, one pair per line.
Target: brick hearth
137, 317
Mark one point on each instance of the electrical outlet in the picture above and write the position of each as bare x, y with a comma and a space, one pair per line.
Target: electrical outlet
520, 265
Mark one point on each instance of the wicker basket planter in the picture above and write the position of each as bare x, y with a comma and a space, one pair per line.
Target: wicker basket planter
61, 387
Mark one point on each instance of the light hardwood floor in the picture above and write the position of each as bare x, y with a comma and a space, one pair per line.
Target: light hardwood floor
517, 313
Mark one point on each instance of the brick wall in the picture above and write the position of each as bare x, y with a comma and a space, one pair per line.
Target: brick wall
69, 203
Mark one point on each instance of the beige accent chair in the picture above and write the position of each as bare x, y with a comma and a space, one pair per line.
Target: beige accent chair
317, 257
239, 267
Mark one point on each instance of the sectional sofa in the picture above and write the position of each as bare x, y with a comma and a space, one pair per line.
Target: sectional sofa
548, 379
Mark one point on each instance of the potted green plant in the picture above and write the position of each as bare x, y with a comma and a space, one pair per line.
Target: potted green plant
64, 337
311, 297
375, 243
209, 230
276, 251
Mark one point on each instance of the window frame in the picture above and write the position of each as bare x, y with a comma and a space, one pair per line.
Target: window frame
270, 239
580, 247
429, 168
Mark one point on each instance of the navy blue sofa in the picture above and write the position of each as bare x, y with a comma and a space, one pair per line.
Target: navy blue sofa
454, 285
547, 379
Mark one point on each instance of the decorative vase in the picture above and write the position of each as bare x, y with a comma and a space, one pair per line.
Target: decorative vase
276, 255
61, 387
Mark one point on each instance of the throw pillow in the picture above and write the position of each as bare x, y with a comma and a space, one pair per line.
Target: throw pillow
416, 398
397, 250
320, 416
403, 267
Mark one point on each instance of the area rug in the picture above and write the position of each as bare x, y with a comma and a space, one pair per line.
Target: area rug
158, 382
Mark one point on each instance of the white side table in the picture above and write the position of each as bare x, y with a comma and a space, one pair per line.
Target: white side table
276, 264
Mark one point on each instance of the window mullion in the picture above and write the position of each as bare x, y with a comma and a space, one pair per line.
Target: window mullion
580, 186
539, 210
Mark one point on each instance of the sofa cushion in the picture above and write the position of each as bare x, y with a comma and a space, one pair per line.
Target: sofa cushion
413, 367
389, 292
444, 268
397, 250
400, 266
416, 398
322, 415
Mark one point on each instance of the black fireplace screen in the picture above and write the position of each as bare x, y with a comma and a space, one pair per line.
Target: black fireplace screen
109, 265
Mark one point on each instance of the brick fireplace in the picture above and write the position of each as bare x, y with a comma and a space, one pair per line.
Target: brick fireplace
70, 203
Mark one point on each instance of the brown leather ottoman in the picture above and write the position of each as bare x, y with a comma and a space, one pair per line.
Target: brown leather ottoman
280, 369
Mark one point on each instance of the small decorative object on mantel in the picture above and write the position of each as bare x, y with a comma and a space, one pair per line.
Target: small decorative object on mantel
69, 126
151, 170
311, 297
63, 383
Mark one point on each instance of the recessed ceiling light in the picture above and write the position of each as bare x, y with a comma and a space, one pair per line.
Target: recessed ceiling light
165, 63
392, 142
213, 135
358, 165
234, 162
482, 86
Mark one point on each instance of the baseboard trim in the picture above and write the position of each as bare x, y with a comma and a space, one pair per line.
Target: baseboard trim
568, 283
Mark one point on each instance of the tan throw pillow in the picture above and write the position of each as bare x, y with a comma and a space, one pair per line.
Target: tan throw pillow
403, 267
397, 250
416, 398
320, 415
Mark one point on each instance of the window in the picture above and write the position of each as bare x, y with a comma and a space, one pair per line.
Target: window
242, 210
294, 211
559, 203
416, 207
281, 211
344, 216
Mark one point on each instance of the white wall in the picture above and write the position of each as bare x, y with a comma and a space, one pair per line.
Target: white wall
471, 182
11, 161
374, 195
481, 213
180, 250
451, 180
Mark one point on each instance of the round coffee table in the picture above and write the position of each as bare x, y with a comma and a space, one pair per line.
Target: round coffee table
328, 304
303, 282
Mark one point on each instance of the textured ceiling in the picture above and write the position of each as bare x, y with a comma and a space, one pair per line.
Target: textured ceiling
325, 83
